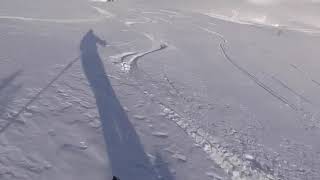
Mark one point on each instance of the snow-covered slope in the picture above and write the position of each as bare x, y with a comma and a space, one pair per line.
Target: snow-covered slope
178, 92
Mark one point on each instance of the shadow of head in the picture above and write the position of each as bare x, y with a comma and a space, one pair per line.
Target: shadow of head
89, 42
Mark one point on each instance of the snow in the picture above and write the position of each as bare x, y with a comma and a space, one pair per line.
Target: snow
62, 21
160, 134
139, 117
179, 90
180, 157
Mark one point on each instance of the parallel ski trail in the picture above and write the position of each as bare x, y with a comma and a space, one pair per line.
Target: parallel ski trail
247, 73
231, 163
257, 81
306, 75
291, 90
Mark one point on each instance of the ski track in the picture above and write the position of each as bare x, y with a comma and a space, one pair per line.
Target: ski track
61, 21
291, 90
158, 16
247, 73
151, 38
163, 20
132, 63
129, 22
257, 81
122, 56
118, 44
170, 12
231, 163
104, 12
162, 12
173, 14
152, 12
258, 173
305, 74
213, 32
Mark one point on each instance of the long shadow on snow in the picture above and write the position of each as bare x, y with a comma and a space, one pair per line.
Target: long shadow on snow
126, 154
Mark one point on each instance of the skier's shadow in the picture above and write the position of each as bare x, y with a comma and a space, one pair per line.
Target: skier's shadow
125, 152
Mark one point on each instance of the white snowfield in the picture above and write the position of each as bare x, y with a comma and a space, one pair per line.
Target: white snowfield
170, 90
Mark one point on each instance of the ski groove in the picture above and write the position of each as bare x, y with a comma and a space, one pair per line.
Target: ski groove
238, 168
247, 73
132, 64
232, 164
291, 90
256, 80
305, 74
